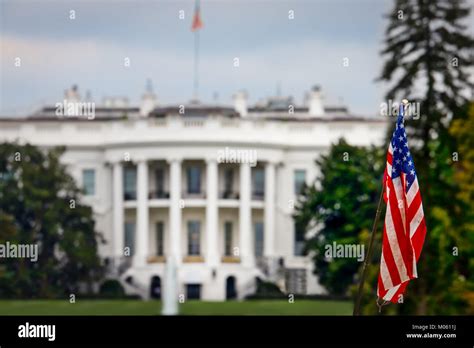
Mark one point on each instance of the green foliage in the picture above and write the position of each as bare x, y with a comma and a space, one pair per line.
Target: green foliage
462, 130
341, 205
266, 290
111, 288
36, 193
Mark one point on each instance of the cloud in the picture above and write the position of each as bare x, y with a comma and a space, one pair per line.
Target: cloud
296, 65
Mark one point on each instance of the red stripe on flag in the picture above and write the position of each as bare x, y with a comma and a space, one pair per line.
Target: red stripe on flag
419, 238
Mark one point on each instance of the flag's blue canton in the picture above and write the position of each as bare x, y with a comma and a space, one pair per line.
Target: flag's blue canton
402, 160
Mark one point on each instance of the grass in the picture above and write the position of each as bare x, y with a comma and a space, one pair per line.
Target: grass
137, 307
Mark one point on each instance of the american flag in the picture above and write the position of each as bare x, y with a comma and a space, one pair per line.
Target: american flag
405, 227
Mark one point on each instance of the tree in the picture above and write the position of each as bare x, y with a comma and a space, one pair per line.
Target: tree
426, 40
39, 204
462, 130
428, 58
340, 206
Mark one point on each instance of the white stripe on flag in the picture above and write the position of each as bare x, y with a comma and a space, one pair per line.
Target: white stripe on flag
412, 191
391, 292
385, 274
415, 272
415, 222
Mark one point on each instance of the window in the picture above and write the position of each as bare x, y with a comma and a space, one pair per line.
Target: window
300, 181
130, 236
160, 182
299, 240
194, 180
130, 183
258, 239
258, 182
160, 238
228, 238
193, 291
88, 181
194, 238
228, 182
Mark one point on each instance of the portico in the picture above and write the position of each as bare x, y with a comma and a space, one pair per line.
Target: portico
193, 207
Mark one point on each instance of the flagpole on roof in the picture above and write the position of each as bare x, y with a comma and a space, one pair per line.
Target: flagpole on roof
196, 26
368, 255
196, 65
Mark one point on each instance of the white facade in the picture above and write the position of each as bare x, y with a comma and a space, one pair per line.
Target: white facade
161, 171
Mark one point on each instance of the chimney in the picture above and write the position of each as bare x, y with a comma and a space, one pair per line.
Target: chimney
71, 95
149, 100
315, 102
240, 103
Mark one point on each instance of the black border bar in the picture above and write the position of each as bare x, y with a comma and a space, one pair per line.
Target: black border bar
332, 330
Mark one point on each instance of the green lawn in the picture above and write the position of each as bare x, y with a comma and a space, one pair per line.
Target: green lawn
136, 307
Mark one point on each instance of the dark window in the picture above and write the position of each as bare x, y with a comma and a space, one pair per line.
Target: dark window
258, 182
228, 238
130, 236
155, 287
300, 181
160, 182
193, 291
160, 238
194, 180
230, 286
299, 240
258, 239
130, 183
194, 237
228, 182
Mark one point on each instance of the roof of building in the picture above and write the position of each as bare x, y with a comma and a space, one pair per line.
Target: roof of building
278, 107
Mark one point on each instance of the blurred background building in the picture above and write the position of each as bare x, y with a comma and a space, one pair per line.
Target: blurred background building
160, 188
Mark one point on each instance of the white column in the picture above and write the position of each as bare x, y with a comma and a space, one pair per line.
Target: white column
212, 257
141, 235
245, 218
118, 220
175, 210
269, 217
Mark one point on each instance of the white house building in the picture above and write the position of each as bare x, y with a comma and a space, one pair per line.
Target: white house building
212, 187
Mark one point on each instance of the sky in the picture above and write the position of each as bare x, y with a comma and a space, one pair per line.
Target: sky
274, 52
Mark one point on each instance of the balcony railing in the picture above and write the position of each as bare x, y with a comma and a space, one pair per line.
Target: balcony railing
195, 195
229, 195
258, 195
158, 194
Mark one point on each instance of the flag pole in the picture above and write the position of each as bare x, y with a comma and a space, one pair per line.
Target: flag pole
196, 65
368, 255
